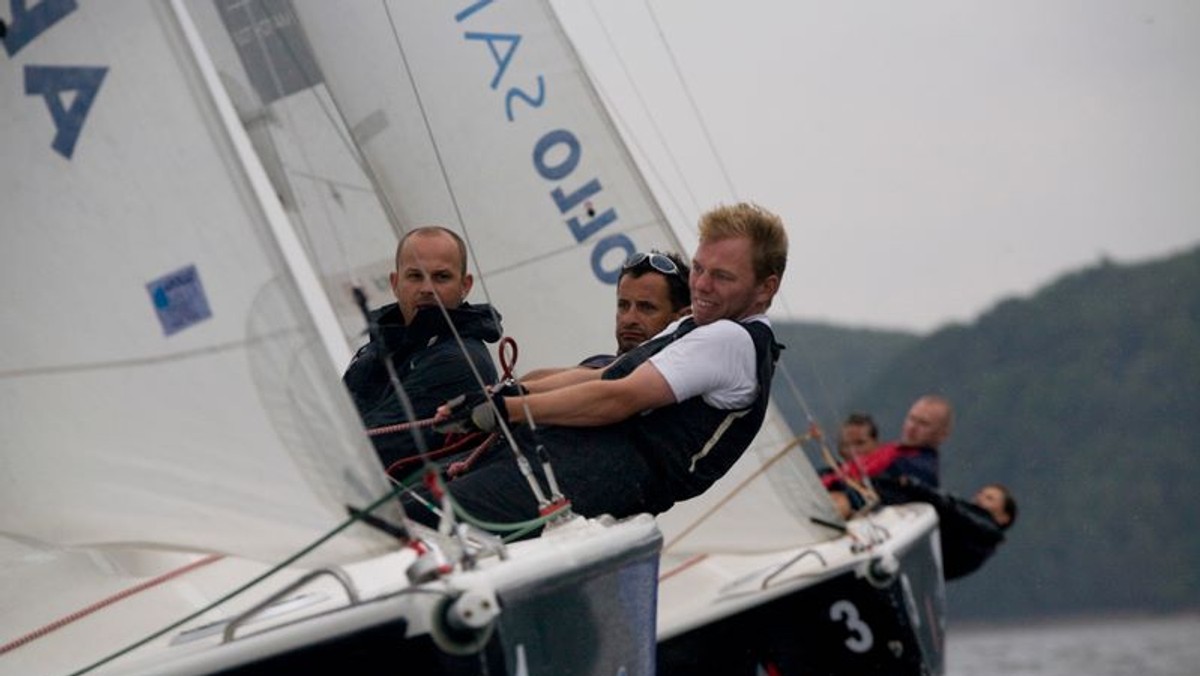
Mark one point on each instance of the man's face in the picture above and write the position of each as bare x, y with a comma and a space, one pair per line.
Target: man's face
643, 309
429, 268
723, 284
856, 441
925, 424
991, 498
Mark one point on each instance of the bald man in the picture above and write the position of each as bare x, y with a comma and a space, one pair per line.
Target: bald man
926, 427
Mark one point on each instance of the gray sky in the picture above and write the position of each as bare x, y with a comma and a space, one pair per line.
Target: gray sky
930, 158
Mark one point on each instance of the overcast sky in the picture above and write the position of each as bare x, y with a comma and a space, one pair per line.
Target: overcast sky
930, 158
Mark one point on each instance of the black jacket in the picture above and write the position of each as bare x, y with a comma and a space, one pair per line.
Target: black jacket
969, 534
430, 364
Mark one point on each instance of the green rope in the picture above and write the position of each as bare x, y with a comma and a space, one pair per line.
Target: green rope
516, 530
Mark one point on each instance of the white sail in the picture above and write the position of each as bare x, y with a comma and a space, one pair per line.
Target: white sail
163, 381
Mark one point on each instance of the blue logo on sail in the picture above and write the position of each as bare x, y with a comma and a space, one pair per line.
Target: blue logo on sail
179, 299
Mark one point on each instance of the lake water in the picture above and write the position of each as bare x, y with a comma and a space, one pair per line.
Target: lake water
1127, 646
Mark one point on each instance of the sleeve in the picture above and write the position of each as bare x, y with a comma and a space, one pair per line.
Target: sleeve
360, 377
442, 373
893, 491
436, 375
715, 361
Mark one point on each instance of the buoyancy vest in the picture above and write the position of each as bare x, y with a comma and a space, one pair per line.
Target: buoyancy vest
690, 444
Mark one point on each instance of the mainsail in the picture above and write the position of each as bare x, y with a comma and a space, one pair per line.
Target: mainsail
479, 116
166, 377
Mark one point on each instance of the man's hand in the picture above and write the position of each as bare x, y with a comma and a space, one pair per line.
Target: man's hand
471, 412
507, 388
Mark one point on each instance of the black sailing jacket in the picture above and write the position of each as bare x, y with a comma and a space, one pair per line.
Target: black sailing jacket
430, 364
969, 534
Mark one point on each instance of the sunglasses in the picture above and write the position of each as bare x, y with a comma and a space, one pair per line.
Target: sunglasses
656, 260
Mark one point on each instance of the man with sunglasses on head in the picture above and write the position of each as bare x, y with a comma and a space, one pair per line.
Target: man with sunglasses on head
667, 418
652, 292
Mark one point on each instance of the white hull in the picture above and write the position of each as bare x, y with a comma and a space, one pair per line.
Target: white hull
601, 576
861, 609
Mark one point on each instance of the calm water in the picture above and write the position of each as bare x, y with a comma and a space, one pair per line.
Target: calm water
1140, 646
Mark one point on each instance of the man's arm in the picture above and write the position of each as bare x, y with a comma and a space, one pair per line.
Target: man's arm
593, 402
563, 378
538, 374
441, 373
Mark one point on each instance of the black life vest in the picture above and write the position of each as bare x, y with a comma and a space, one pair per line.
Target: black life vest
691, 444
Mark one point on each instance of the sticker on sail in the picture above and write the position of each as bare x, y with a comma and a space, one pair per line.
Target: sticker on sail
179, 299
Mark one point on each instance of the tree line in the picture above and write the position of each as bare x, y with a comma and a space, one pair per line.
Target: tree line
1082, 398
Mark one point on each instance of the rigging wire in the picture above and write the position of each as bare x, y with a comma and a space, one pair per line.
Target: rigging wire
369, 172
712, 146
718, 160
453, 196
424, 452
437, 150
793, 388
691, 195
293, 52
515, 529
696, 523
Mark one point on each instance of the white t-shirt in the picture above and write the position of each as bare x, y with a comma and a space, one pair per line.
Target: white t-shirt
688, 363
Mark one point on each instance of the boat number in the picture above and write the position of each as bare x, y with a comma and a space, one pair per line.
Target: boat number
862, 639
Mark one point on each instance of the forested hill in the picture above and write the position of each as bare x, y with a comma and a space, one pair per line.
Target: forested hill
823, 365
1085, 400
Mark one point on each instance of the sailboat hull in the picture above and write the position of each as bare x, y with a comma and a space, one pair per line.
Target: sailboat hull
593, 620
577, 602
883, 614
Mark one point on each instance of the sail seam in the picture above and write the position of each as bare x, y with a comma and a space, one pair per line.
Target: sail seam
141, 361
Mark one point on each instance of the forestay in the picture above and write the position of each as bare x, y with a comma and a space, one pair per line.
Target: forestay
163, 380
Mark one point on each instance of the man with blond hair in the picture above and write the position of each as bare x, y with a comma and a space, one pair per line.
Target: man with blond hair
666, 419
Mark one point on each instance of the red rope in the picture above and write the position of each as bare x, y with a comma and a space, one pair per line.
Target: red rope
683, 566
462, 466
400, 427
457, 445
507, 360
119, 596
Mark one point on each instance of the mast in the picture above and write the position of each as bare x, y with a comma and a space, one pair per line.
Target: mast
303, 273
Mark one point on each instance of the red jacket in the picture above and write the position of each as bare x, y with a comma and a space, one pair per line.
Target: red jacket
891, 460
